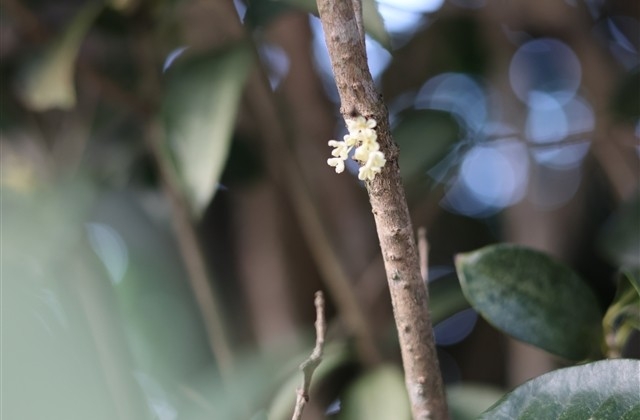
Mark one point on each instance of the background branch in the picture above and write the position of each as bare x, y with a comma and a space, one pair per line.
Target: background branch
284, 167
409, 295
191, 252
309, 366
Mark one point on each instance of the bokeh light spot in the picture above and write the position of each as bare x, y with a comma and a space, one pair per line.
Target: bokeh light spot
545, 65
550, 122
455, 93
404, 17
378, 58
492, 177
624, 40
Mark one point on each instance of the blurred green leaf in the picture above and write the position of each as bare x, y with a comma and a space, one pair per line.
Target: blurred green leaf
155, 302
424, 137
47, 81
607, 389
533, 298
446, 298
373, 23
207, 396
468, 401
620, 240
63, 348
377, 395
199, 110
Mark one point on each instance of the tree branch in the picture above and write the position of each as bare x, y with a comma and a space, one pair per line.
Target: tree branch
309, 366
409, 295
194, 261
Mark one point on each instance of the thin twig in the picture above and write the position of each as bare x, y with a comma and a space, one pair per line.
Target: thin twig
409, 295
423, 253
313, 361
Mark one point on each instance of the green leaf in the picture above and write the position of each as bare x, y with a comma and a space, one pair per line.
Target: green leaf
48, 78
468, 401
373, 23
424, 138
377, 395
199, 111
620, 240
608, 389
63, 344
446, 298
533, 298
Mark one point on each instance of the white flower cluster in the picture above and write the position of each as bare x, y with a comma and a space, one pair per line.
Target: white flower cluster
363, 137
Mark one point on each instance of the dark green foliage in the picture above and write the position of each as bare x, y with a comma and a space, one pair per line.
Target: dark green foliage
533, 298
607, 389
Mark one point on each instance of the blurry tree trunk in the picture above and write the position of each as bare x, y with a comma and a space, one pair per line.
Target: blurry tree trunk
258, 226
273, 130
309, 116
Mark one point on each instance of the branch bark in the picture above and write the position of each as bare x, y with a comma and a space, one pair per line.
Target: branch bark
409, 295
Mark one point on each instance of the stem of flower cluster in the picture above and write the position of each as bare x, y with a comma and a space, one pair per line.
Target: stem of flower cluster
408, 291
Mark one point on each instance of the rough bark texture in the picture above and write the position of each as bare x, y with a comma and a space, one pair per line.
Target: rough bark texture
408, 292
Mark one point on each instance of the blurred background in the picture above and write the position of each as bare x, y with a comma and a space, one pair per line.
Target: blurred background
168, 213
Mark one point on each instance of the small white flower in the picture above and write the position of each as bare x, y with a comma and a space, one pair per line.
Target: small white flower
364, 138
373, 166
338, 163
360, 123
350, 140
376, 159
365, 174
341, 149
364, 151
